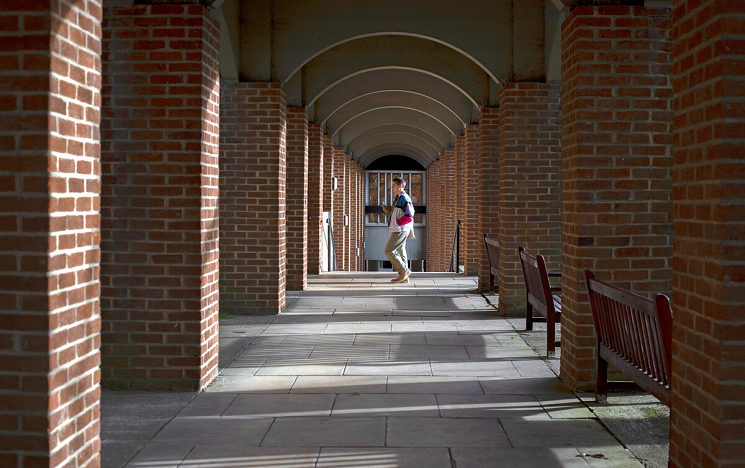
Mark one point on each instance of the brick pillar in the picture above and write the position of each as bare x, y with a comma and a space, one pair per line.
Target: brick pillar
328, 173
473, 244
439, 221
709, 219
315, 197
428, 245
447, 207
489, 137
616, 211
460, 192
434, 255
49, 213
361, 216
529, 184
340, 204
159, 268
252, 198
297, 198
352, 215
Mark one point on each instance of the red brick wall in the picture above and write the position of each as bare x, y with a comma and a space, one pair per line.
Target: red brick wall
473, 243
159, 267
709, 259
460, 192
49, 242
315, 197
252, 198
489, 137
340, 204
617, 160
297, 199
529, 184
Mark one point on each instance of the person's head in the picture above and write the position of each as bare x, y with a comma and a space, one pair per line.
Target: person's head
398, 185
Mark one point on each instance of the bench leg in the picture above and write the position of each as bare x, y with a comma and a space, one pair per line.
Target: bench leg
601, 382
550, 335
529, 316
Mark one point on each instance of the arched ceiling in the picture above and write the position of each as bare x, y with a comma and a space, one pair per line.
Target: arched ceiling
393, 100
391, 131
385, 76
388, 150
421, 144
392, 79
395, 117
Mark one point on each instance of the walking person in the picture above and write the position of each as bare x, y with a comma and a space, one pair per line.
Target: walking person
400, 225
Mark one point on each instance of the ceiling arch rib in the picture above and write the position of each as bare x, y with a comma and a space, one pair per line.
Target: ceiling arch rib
379, 52
387, 150
393, 99
396, 138
403, 80
393, 116
393, 128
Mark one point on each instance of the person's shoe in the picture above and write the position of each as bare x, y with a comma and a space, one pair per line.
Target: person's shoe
403, 277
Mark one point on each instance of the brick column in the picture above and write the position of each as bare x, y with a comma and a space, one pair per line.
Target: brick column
328, 173
709, 219
473, 244
434, 255
297, 199
49, 241
617, 158
361, 217
340, 205
352, 215
252, 198
447, 207
315, 197
529, 184
460, 192
489, 137
159, 268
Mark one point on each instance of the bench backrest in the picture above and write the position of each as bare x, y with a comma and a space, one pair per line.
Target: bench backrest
492, 251
637, 329
536, 282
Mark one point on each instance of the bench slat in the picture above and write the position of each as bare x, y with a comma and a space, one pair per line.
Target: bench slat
634, 334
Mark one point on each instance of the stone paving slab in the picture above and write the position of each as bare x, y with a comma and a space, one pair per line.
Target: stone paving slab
384, 458
359, 405
358, 372
327, 432
340, 384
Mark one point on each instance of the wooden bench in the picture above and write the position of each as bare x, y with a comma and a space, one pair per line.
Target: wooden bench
634, 334
492, 254
540, 296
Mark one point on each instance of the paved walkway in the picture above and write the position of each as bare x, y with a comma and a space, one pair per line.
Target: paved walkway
360, 373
